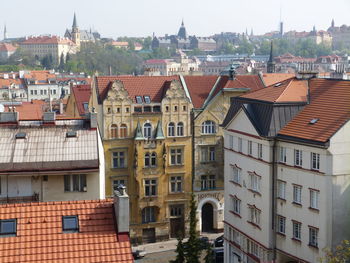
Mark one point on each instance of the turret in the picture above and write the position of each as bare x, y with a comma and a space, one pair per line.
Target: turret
75, 32
271, 67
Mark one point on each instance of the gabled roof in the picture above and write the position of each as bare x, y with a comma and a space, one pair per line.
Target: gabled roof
290, 90
199, 88
153, 86
7, 47
40, 238
272, 78
82, 95
47, 40
329, 103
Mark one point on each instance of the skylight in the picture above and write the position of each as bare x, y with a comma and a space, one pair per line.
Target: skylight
139, 100
147, 99
313, 121
8, 227
71, 134
278, 84
21, 135
70, 224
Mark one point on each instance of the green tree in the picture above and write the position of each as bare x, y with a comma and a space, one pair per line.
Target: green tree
61, 65
180, 251
341, 253
193, 249
209, 257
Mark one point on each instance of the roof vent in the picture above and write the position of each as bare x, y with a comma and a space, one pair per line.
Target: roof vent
71, 134
313, 121
278, 84
21, 135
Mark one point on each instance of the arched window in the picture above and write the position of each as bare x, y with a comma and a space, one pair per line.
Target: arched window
147, 130
114, 131
153, 159
147, 160
123, 131
180, 129
208, 127
171, 129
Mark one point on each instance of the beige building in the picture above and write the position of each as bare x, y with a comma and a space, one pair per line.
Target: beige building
50, 160
49, 46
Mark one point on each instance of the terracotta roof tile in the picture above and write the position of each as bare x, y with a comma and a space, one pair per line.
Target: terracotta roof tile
82, 95
329, 103
7, 47
47, 40
273, 78
28, 110
43, 241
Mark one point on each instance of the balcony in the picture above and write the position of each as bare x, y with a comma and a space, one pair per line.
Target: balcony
20, 199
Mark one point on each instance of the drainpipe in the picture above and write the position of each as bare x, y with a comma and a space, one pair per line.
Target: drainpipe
274, 199
193, 147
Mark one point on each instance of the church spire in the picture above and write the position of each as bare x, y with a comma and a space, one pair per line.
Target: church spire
75, 24
332, 24
5, 32
271, 64
182, 23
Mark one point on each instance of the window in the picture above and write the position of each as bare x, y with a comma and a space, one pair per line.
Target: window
171, 129
250, 147
114, 131
281, 224
253, 248
150, 159
123, 131
147, 130
298, 157
236, 205
314, 198
116, 183
180, 129
156, 108
240, 144
313, 236
176, 184
254, 182
236, 175
175, 108
230, 141
109, 110
208, 153
139, 99
70, 224
147, 99
119, 159
296, 230
260, 151
176, 210
166, 108
8, 227
150, 187
147, 109
75, 183
184, 108
297, 194
118, 110
208, 182
254, 215
176, 156
315, 161
127, 109
148, 214
281, 189
283, 155
208, 127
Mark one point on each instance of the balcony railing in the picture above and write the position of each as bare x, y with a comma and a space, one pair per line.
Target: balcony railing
19, 199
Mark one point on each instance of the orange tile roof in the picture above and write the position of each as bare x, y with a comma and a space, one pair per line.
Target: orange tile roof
40, 75
5, 83
28, 110
153, 86
46, 40
329, 103
199, 88
272, 78
7, 47
291, 90
82, 95
40, 238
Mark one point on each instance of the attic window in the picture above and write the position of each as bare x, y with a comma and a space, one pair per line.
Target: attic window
8, 227
70, 224
313, 121
21, 135
147, 99
139, 99
278, 84
71, 134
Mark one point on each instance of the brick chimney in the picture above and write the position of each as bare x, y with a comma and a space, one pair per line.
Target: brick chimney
121, 209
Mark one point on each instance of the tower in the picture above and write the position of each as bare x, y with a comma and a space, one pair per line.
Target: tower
332, 24
271, 65
182, 31
5, 32
75, 32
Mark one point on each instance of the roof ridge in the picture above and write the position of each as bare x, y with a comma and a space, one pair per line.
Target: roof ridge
290, 81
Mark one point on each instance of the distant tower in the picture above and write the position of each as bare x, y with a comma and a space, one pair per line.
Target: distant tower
182, 31
75, 32
332, 24
271, 65
314, 29
251, 32
5, 32
281, 29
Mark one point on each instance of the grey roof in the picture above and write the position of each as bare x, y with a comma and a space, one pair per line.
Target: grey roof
47, 147
85, 35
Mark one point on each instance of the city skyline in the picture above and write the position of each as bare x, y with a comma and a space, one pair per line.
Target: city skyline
114, 20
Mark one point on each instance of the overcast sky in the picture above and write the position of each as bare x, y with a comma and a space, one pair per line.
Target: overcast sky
114, 18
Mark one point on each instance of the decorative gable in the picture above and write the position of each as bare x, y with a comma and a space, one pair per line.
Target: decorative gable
117, 92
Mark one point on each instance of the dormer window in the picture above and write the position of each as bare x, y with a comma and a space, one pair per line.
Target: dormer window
8, 227
21, 135
139, 100
147, 99
70, 224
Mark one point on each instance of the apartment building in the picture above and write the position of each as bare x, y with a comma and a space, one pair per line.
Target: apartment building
285, 171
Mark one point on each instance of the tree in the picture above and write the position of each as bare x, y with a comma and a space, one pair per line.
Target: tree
61, 65
180, 257
209, 258
341, 254
193, 249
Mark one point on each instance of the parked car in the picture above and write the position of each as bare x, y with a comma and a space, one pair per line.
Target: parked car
219, 241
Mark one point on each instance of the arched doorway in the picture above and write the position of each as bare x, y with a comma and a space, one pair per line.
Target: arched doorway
207, 217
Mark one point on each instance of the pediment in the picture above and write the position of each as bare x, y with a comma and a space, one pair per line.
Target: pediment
117, 92
176, 91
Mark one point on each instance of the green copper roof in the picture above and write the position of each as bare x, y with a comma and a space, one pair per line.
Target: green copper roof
138, 134
159, 133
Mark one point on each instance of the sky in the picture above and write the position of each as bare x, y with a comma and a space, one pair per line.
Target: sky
139, 18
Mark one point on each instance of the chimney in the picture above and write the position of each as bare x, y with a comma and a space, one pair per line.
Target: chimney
49, 117
93, 119
306, 71
121, 209
9, 117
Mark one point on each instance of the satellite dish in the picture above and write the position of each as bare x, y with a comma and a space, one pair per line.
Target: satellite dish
2, 108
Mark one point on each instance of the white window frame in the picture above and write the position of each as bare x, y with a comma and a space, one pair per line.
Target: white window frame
208, 154
298, 157
254, 215
250, 148
152, 185
314, 198
313, 236
255, 182
208, 127
297, 191
260, 151
283, 154
176, 184
147, 130
117, 155
281, 189
175, 154
236, 205
171, 129
240, 144
75, 183
281, 224
236, 174
296, 230
315, 161
180, 129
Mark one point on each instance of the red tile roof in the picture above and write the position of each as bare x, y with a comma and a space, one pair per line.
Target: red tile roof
199, 88
330, 104
7, 47
29, 110
40, 238
40, 75
291, 90
82, 95
272, 78
152, 86
46, 40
